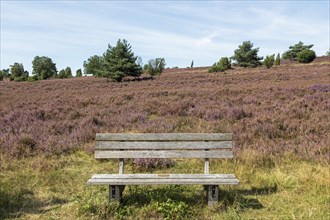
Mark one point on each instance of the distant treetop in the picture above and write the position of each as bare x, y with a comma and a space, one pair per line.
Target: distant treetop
293, 51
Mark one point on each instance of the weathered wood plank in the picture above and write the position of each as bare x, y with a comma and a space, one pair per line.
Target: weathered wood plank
135, 145
164, 136
161, 181
99, 154
168, 176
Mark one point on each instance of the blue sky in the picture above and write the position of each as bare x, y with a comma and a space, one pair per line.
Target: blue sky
70, 32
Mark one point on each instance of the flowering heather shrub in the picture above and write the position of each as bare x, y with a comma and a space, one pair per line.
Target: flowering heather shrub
321, 88
271, 111
151, 163
238, 113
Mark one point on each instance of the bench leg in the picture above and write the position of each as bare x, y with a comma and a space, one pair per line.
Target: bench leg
115, 193
212, 195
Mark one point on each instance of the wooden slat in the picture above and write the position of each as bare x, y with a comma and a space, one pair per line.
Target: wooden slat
99, 154
125, 182
154, 179
106, 145
168, 176
164, 136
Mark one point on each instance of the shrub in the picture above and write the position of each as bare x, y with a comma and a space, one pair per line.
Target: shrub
21, 78
155, 66
1, 75
78, 73
146, 164
223, 64
277, 60
306, 56
61, 74
269, 61
32, 78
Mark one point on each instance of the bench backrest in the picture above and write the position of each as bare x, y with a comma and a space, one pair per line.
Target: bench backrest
163, 145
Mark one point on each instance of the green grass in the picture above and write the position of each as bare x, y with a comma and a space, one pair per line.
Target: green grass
55, 187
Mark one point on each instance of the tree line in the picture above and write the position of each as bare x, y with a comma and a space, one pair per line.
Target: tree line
119, 61
42, 68
247, 56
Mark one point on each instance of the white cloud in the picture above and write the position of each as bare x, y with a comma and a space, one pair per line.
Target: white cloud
70, 32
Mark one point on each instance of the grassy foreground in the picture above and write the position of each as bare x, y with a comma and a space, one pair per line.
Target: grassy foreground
54, 187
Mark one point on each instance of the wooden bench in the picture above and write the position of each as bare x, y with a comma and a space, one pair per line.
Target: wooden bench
163, 145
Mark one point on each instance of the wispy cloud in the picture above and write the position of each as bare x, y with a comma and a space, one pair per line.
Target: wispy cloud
70, 32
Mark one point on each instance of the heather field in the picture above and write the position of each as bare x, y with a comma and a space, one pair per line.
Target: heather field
279, 117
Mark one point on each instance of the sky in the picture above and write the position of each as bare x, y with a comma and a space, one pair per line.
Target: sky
69, 32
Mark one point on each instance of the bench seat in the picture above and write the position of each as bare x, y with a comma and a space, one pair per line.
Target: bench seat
159, 179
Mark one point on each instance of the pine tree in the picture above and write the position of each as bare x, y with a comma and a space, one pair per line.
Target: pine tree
119, 61
246, 56
295, 49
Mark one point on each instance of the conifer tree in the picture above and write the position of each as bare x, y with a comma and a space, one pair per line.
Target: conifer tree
119, 61
295, 49
246, 56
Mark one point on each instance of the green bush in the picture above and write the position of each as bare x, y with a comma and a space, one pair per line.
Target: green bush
269, 61
32, 78
155, 66
21, 78
277, 60
306, 56
78, 73
223, 64
1, 75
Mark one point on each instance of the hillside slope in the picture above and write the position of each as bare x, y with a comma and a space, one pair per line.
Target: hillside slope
277, 110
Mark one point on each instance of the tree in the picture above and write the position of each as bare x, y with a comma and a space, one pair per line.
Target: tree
223, 64
18, 73
246, 56
295, 49
68, 72
269, 61
78, 73
119, 61
306, 56
5, 73
192, 64
155, 66
277, 60
94, 65
61, 74
43, 67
